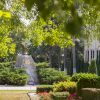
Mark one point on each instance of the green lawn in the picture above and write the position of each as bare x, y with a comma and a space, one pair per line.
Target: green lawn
14, 94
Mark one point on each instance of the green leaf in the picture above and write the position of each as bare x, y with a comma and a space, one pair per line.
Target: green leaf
7, 14
0, 13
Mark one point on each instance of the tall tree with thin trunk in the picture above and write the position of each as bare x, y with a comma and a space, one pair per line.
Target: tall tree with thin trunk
65, 60
59, 62
74, 56
50, 66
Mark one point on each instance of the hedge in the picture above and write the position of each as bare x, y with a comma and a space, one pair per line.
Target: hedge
59, 95
76, 76
89, 81
44, 88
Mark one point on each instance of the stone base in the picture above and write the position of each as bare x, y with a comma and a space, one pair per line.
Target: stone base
26, 61
90, 94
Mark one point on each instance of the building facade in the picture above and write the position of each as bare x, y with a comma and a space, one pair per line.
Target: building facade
92, 51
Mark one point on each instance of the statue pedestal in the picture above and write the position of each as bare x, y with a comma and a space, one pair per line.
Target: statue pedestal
26, 61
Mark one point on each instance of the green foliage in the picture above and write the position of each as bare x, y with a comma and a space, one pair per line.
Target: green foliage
80, 64
58, 9
12, 30
70, 66
92, 67
7, 64
42, 65
49, 76
76, 76
68, 18
59, 95
50, 35
75, 18
12, 76
5, 14
98, 64
44, 88
65, 86
86, 65
54, 61
88, 81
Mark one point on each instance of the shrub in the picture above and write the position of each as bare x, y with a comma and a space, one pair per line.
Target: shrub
42, 65
74, 97
89, 81
59, 95
7, 64
20, 79
49, 76
76, 76
92, 67
44, 95
12, 76
65, 86
86, 65
44, 88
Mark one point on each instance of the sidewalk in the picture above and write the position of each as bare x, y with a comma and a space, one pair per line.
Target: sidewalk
13, 87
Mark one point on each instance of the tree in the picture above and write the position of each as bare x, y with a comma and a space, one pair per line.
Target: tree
71, 66
65, 60
12, 28
5, 42
98, 64
92, 67
84, 13
59, 60
46, 8
74, 56
67, 12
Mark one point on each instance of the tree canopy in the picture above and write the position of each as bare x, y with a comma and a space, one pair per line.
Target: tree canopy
78, 17
56, 21
88, 9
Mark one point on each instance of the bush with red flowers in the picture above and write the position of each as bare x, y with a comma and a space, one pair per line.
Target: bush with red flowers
44, 96
74, 96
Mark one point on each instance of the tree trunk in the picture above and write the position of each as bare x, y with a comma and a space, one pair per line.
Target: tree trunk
65, 60
74, 56
59, 62
50, 59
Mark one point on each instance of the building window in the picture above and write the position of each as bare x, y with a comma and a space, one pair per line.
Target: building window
93, 53
88, 56
97, 54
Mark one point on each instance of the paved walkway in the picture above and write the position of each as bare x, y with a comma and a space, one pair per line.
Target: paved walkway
12, 87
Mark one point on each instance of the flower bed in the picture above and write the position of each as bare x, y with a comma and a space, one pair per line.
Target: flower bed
74, 96
46, 96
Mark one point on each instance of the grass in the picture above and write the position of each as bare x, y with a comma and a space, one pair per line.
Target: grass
14, 94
